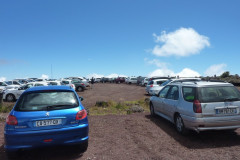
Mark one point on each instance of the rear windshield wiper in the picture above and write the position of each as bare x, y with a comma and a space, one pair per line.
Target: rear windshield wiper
56, 106
231, 99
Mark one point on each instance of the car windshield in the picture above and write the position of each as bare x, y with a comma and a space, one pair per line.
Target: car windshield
165, 83
8, 82
218, 94
50, 100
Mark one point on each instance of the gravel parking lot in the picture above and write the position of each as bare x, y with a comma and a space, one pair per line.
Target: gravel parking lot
137, 136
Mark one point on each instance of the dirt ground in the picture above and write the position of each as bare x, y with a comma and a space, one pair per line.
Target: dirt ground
137, 136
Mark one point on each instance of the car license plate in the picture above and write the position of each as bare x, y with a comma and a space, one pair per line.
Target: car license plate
226, 111
49, 122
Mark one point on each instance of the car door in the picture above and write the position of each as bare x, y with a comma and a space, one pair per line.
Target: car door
159, 100
171, 101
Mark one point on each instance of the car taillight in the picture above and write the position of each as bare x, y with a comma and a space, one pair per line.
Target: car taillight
197, 108
151, 85
11, 120
72, 85
81, 114
82, 84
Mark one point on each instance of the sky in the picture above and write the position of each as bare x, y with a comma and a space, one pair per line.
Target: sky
62, 38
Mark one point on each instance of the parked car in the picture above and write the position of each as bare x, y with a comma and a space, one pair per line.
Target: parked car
76, 84
154, 83
155, 89
120, 80
82, 79
144, 82
40, 80
198, 106
131, 80
54, 83
12, 84
2, 86
104, 80
46, 116
11, 95
140, 79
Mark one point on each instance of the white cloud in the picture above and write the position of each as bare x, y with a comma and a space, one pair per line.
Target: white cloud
95, 75
3, 78
113, 75
187, 72
44, 76
216, 69
161, 73
156, 62
182, 42
164, 72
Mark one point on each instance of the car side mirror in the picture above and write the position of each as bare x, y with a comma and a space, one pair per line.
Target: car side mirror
81, 98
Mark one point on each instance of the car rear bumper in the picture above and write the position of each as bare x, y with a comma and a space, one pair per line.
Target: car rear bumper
31, 139
211, 123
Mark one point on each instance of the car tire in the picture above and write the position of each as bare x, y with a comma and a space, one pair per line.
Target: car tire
79, 89
152, 112
10, 98
179, 125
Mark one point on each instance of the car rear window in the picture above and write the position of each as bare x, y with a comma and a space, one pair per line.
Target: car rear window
48, 100
160, 82
218, 94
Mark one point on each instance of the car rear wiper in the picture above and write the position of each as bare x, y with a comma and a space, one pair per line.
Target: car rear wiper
230, 99
56, 106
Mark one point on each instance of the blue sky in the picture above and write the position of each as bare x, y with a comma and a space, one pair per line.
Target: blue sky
137, 37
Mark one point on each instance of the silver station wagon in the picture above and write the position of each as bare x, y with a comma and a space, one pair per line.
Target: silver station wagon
198, 106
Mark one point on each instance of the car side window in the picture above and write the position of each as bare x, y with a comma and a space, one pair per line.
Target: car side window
189, 93
164, 92
14, 82
173, 93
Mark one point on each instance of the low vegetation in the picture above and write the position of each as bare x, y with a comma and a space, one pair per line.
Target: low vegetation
6, 107
119, 108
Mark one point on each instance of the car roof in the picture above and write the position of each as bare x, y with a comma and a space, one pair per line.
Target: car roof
43, 88
202, 83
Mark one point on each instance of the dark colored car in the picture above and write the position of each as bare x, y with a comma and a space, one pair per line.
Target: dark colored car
120, 80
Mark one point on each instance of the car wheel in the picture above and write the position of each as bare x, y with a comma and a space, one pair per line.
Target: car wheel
79, 89
10, 98
152, 112
180, 125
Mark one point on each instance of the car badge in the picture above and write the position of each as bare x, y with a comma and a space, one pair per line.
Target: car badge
47, 113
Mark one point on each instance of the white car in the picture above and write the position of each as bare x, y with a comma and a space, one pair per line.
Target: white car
145, 82
131, 80
154, 83
54, 83
2, 86
68, 82
11, 95
12, 84
155, 89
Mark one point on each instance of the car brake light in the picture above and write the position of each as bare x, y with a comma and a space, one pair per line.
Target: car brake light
81, 114
11, 120
72, 85
82, 84
197, 108
151, 86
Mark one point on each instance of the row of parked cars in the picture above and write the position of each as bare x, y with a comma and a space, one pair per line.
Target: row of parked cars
12, 90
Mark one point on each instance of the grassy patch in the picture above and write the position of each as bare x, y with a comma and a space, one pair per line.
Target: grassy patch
119, 108
6, 107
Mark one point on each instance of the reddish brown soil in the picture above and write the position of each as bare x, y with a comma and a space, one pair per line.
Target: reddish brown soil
139, 136
111, 92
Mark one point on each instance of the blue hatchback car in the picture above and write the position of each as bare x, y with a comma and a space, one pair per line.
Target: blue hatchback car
46, 116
